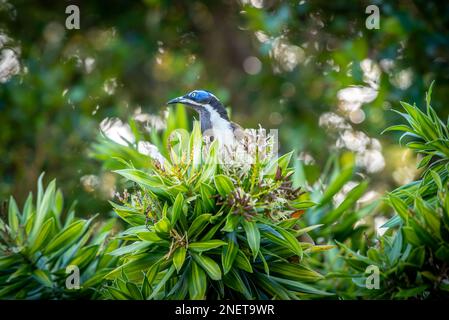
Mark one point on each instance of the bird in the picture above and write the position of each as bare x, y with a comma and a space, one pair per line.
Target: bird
214, 119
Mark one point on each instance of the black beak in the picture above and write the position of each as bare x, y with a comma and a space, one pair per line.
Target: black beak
176, 100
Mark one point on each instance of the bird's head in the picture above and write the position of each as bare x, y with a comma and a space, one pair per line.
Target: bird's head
201, 101
212, 113
195, 99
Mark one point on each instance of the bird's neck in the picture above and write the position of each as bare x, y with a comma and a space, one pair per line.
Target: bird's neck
213, 117
220, 109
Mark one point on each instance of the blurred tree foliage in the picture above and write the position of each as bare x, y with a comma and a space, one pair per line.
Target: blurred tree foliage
282, 64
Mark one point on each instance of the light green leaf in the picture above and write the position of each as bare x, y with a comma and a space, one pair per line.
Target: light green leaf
162, 227
198, 225
206, 245
198, 282
179, 257
66, 237
351, 198
45, 205
223, 184
134, 247
43, 277
209, 265
162, 282
43, 235
242, 262
13, 216
229, 254
177, 208
232, 221
337, 183
252, 236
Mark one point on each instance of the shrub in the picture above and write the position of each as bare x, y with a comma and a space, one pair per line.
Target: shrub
200, 229
413, 255
38, 244
336, 221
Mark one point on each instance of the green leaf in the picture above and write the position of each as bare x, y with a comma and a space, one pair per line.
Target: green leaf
351, 198
410, 236
209, 265
400, 127
232, 221
429, 215
58, 203
291, 241
130, 215
177, 208
13, 216
206, 245
179, 257
151, 182
234, 281
198, 225
195, 146
162, 282
417, 256
392, 222
272, 287
300, 287
210, 167
242, 262
436, 177
85, 256
282, 163
153, 271
228, 255
408, 293
303, 204
149, 236
223, 184
206, 192
252, 236
396, 249
27, 208
45, 205
131, 248
399, 206
66, 237
295, 272
43, 235
134, 291
43, 277
308, 229
162, 227
443, 253
7, 261
198, 282
336, 184
117, 294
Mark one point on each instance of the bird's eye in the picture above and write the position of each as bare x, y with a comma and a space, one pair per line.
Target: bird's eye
193, 94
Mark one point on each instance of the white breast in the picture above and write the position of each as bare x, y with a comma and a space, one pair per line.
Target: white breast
222, 130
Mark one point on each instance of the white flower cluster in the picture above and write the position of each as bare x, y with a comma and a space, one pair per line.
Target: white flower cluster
250, 145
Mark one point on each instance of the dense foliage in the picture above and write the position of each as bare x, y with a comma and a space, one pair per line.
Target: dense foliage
309, 224
39, 244
413, 256
196, 227
201, 229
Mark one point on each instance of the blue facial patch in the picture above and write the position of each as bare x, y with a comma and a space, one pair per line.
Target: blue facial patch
200, 96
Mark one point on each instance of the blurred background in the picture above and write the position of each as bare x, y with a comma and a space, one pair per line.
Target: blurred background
310, 69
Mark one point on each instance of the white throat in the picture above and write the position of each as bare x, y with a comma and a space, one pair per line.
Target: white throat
221, 128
